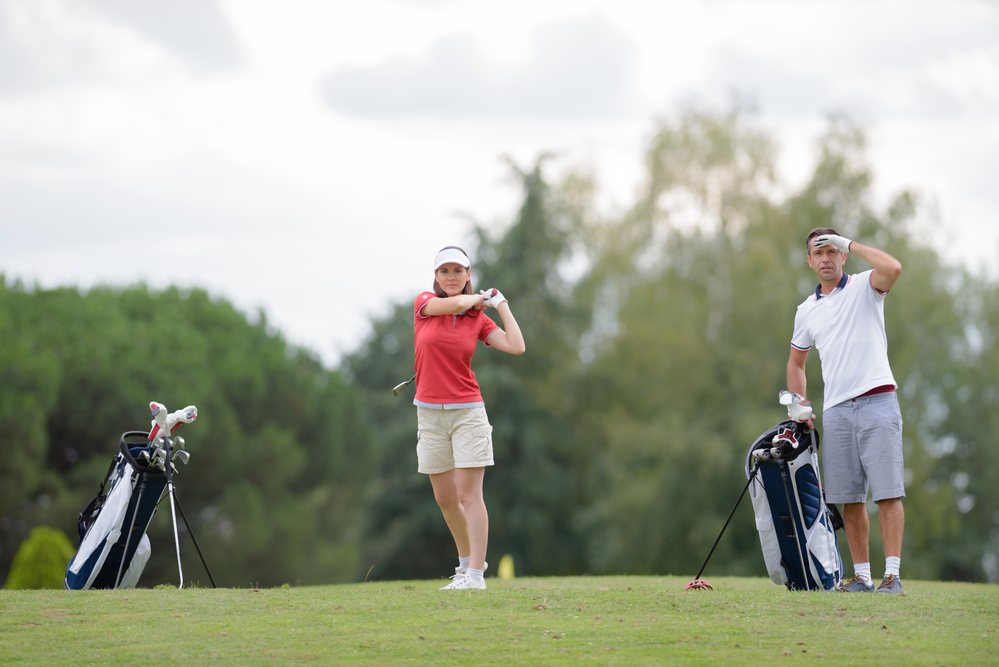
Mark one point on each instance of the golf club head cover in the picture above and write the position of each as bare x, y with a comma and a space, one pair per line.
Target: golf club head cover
157, 427
786, 397
800, 412
183, 416
493, 297
840, 242
785, 438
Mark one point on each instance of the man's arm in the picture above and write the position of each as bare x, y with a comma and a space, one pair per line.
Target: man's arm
887, 269
796, 378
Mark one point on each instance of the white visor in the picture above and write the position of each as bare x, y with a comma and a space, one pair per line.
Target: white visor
451, 256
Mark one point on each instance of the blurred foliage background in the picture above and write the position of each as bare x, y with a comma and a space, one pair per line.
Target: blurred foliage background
657, 342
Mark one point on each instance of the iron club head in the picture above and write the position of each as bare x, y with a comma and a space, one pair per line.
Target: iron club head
182, 455
402, 385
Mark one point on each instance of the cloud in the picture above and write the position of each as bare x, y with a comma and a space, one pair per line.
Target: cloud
45, 46
195, 30
576, 69
943, 78
777, 87
34, 54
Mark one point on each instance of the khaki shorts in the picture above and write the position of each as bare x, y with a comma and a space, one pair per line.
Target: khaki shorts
449, 439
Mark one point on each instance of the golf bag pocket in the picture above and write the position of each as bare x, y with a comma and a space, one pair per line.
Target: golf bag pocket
768, 535
138, 564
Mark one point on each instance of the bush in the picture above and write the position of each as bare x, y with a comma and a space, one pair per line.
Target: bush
41, 560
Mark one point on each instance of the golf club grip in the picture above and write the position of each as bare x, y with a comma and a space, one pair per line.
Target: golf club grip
126, 452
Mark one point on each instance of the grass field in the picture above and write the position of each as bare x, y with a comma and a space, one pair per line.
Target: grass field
537, 621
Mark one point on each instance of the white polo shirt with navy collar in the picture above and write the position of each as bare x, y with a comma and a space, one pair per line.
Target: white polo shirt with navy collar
847, 327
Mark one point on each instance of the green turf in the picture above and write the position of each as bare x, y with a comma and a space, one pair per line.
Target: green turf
545, 621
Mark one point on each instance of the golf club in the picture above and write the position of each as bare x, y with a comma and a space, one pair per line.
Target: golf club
402, 385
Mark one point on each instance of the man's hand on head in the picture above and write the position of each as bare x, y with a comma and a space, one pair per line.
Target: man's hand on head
840, 242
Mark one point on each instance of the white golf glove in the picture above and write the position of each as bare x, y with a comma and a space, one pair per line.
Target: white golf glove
800, 412
840, 242
493, 297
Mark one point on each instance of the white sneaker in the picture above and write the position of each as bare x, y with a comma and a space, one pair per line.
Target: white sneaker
464, 570
462, 582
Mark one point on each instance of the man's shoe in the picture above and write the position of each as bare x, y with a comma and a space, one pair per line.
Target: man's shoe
856, 584
463, 582
890, 584
464, 570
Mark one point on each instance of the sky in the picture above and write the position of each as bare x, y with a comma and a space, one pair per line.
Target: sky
308, 158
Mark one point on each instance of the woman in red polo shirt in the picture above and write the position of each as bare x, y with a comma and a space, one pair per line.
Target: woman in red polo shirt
455, 441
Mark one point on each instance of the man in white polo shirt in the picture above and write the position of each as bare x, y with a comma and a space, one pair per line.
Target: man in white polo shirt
862, 443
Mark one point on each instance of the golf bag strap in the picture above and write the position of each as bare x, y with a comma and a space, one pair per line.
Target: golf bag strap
837, 518
126, 452
98, 501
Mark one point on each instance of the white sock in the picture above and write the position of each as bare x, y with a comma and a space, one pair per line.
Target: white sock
463, 562
476, 575
863, 570
892, 564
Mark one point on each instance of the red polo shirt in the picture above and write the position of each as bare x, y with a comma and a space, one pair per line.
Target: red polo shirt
444, 348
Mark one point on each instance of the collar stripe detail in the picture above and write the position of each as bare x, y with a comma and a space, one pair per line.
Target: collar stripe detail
842, 283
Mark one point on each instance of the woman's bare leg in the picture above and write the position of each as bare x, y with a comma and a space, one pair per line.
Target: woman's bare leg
469, 487
448, 499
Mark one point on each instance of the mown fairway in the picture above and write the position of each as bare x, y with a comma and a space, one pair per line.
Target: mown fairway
544, 621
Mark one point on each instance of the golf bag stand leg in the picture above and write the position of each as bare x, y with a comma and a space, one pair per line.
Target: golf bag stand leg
794, 526
187, 523
173, 515
128, 537
749, 481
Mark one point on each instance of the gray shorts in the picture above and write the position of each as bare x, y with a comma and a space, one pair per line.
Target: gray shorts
862, 448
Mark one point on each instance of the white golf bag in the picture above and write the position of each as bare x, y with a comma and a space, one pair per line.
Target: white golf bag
797, 529
114, 547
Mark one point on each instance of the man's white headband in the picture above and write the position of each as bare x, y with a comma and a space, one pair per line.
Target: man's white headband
451, 256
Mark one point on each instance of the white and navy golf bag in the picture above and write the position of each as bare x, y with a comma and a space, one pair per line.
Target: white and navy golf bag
114, 547
797, 529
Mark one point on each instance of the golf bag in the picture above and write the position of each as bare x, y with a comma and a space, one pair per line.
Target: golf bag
114, 547
797, 529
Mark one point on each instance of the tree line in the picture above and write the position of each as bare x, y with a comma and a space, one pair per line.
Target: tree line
657, 343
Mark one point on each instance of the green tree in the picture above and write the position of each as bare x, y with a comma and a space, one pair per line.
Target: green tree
41, 560
278, 455
700, 281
